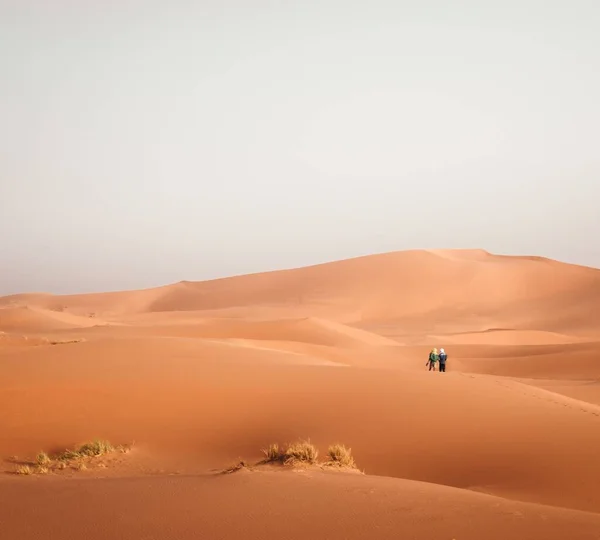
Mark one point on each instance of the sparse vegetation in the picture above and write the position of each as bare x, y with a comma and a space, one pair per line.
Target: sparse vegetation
272, 453
340, 456
24, 470
43, 459
78, 458
301, 452
305, 453
96, 448
293, 454
69, 455
91, 449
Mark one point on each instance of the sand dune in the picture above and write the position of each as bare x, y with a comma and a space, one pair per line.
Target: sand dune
564, 362
305, 330
432, 284
508, 337
200, 374
291, 506
34, 319
464, 431
587, 391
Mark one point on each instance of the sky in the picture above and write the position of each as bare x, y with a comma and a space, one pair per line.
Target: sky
145, 142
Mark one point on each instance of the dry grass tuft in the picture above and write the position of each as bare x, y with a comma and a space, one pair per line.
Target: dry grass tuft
91, 449
76, 458
43, 459
340, 456
273, 453
24, 470
69, 455
296, 453
300, 452
96, 448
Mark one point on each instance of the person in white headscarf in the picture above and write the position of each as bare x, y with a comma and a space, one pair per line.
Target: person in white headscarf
443, 357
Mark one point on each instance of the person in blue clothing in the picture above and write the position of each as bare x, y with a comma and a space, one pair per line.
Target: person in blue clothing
443, 357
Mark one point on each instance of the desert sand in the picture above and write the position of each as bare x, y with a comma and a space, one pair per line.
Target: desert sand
197, 376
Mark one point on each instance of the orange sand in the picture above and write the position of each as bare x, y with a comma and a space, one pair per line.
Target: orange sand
202, 374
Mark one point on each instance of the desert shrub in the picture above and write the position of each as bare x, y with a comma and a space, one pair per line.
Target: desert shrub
96, 448
91, 449
24, 470
42, 469
272, 453
68, 455
43, 459
340, 455
300, 452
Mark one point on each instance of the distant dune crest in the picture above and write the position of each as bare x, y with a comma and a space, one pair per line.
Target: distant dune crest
473, 288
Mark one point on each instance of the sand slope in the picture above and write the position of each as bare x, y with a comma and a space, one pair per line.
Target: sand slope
199, 374
278, 505
304, 330
469, 288
202, 403
34, 319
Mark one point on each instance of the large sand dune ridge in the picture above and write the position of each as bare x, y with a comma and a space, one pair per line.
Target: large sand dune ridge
200, 374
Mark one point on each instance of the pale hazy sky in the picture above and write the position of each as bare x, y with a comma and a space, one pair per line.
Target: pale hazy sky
146, 142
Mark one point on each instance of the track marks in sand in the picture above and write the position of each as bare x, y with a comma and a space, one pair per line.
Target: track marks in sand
550, 397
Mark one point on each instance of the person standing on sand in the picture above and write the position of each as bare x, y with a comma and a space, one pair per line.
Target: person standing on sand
443, 358
433, 358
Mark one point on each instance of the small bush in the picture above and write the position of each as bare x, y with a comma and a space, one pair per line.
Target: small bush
68, 455
305, 453
91, 449
76, 458
341, 456
272, 453
96, 448
300, 452
24, 470
43, 459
